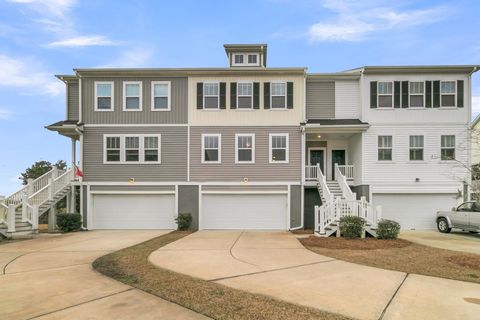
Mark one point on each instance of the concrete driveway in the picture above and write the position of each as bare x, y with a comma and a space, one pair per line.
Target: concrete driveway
51, 278
276, 264
455, 240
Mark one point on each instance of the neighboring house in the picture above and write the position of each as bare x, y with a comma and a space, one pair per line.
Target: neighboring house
253, 147
475, 140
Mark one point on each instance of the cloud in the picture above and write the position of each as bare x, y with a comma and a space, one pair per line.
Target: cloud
56, 8
135, 58
5, 114
83, 41
356, 20
25, 73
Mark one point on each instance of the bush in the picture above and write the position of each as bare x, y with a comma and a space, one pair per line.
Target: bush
68, 222
388, 229
183, 221
351, 226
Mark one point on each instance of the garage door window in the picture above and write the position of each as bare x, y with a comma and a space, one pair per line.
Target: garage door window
245, 148
279, 148
211, 148
448, 147
416, 148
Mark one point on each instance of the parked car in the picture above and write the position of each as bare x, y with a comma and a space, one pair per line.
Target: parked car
466, 217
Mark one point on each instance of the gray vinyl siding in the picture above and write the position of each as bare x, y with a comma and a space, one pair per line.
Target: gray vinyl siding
132, 188
73, 101
320, 99
295, 206
173, 166
261, 170
188, 202
177, 114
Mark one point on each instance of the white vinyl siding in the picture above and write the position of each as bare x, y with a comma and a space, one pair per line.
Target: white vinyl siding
278, 95
161, 96
448, 93
211, 148
385, 94
347, 96
278, 148
385, 148
104, 95
244, 148
417, 94
211, 95
132, 148
245, 95
447, 147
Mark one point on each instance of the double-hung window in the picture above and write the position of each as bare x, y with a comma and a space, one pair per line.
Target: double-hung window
279, 148
103, 96
132, 96
385, 94
211, 97
447, 147
417, 93
279, 95
132, 148
245, 95
160, 95
211, 148
416, 148
448, 92
244, 148
252, 59
385, 146
112, 149
238, 58
151, 148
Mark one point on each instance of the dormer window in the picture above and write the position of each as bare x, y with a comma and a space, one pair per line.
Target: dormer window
245, 59
238, 58
252, 59
246, 55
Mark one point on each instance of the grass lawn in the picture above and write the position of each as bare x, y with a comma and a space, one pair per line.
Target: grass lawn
131, 266
399, 255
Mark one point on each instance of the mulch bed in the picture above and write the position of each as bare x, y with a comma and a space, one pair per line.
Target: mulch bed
354, 244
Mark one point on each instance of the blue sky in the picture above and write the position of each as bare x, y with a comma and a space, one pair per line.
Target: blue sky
40, 38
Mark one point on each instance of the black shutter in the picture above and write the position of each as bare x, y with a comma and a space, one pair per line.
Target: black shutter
428, 94
396, 94
223, 88
233, 95
256, 95
459, 93
199, 95
373, 94
436, 94
405, 101
266, 95
289, 95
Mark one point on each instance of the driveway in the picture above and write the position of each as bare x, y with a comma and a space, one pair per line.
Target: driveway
276, 264
455, 240
51, 277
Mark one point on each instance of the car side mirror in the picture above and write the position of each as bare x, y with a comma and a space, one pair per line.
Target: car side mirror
454, 209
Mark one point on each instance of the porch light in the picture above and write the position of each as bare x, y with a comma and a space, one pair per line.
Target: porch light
319, 136
245, 180
131, 180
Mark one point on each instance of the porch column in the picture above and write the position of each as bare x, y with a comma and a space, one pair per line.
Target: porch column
52, 218
74, 152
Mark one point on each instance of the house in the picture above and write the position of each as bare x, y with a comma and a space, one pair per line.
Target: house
254, 147
475, 140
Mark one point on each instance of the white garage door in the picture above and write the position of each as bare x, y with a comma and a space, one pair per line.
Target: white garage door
244, 211
127, 211
414, 211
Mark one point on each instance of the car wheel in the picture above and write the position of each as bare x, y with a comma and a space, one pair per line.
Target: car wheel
442, 225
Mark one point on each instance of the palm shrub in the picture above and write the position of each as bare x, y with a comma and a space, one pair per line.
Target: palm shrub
352, 226
388, 229
68, 222
183, 221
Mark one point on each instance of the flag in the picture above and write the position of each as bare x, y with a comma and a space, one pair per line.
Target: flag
78, 172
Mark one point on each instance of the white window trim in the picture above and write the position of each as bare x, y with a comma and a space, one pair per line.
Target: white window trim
112, 104
287, 147
251, 96
410, 94
271, 95
449, 94
218, 96
237, 135
141, 153
169, 84
245, 59
125, 83
387, 94
385, 148
454, 147
219, 136
416, 148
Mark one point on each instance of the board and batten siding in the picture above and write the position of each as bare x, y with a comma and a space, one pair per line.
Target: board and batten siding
73, 101
261, 170
177, 114
173, 166
320, 99
347, 99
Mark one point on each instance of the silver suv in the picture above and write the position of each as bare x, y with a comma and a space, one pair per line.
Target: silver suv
466, 217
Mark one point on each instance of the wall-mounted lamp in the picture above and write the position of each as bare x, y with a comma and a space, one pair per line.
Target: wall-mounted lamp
417, 179
245, 180
131, 180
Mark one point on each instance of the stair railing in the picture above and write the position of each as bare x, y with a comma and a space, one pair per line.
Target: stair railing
322, 182
342, 182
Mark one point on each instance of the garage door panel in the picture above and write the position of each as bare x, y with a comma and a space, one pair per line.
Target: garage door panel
414, 211
133, 211
244, 211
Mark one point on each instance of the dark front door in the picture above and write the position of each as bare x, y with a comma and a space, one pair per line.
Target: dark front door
338, 157
317, 156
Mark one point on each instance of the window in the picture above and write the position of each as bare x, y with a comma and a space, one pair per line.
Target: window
417, 91
132, 96
245, 148
132, 149
447, 147
279, 148
160, 96
252, 59
150, 145
238, 58
416, 148
279, 95
210, 95
244, 95
384, 148
113, 149
211, 148
447, 92
104, 96
385, 93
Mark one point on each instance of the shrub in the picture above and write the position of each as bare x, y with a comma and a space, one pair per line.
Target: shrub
183, 221
68, 222
351, 226
388, 229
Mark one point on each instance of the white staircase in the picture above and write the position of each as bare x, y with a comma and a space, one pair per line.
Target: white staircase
335, 189
19, 212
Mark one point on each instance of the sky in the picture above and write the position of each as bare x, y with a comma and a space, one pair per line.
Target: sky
41, 38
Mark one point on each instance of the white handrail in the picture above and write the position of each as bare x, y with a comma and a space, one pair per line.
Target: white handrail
347, 171
342, 182
322, 180
311, 173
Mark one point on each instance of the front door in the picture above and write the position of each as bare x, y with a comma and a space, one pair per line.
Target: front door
317, 157
338, 157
